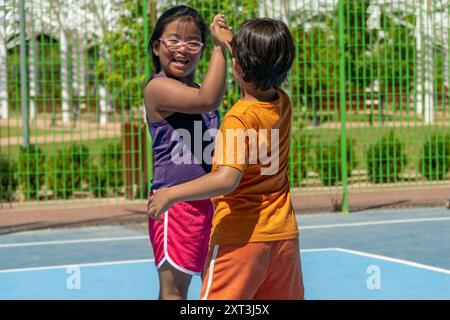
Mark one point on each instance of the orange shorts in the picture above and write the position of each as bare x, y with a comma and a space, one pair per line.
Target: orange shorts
257, 270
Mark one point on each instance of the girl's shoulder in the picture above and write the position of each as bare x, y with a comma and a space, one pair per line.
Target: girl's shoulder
154, 76
162, 75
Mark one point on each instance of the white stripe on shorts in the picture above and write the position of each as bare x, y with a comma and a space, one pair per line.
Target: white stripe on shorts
166, 249
211, 270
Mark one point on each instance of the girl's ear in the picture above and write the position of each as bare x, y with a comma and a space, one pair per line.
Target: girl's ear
155, 48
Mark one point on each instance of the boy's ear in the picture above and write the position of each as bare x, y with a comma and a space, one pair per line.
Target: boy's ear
236, 67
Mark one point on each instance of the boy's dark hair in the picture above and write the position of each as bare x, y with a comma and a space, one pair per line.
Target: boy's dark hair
265, 50
182, 13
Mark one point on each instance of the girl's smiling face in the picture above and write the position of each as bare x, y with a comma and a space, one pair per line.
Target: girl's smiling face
181, 63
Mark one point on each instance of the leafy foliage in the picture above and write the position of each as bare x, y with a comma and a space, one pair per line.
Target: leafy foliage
109, 174
329, 161
435, 157
31, 170
8, 178
68, 169
386, 159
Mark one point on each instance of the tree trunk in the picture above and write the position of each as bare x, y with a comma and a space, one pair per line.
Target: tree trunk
425, 72
446, 71
32, 74
3, 81
103, 104
64, 78
78, 72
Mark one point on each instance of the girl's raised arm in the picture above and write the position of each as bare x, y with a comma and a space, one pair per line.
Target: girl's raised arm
166, 94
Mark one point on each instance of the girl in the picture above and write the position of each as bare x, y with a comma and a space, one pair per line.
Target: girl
174, 103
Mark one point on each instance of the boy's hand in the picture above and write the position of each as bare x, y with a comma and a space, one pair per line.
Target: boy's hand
220, 32
158, 203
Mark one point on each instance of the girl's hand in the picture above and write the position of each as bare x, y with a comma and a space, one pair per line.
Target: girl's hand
220, 32
158, 203
220, 21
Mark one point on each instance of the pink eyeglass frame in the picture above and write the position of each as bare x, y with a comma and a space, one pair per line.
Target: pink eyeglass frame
182, 43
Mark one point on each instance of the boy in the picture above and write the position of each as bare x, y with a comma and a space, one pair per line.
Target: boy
254, 248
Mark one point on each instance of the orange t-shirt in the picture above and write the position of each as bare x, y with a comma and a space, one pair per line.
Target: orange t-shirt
255, 137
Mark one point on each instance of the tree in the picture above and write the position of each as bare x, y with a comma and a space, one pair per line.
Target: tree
358, 40
122, 58
391, 58
316, 68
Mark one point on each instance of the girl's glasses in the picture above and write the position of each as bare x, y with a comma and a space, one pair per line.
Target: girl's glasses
175, 45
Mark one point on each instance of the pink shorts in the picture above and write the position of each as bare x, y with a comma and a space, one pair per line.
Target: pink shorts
182, 238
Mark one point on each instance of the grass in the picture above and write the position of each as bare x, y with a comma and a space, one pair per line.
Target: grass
95, 147
324, 117
412, 137
15, 131
412, 134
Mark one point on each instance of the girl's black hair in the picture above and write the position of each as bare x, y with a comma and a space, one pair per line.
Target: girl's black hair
179, 12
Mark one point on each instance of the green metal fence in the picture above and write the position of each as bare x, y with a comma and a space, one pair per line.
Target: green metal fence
369, 89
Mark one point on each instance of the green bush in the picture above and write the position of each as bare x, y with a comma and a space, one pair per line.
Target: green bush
386, 159
109, 175
8, 178
298, 170
31, 171
68, 169
435, 157
328, 162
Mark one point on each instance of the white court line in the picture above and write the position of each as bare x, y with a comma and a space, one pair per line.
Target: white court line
108, 263
372, 223
348, 251
312, 227
49, 243
318, 250
395, 260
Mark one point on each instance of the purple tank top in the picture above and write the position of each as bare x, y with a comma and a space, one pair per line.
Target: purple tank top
182, 146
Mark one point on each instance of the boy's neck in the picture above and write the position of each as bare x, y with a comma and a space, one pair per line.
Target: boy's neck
250, 93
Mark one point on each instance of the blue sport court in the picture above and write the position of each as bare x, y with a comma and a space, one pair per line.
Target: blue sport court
394, 254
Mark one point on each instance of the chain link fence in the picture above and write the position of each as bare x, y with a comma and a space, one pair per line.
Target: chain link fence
369, 89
